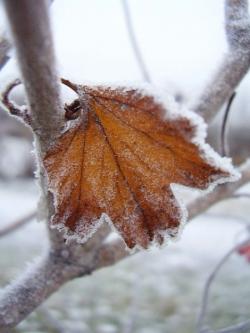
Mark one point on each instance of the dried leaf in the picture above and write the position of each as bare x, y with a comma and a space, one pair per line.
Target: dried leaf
119, 158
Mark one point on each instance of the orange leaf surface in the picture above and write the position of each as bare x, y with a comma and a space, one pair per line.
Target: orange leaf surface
119, 157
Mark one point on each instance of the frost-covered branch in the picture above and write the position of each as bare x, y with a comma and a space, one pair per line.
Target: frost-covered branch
35, 285
47, 275
29, 21
201, 204
134, 43
240, 195
4, 49
67, 262
242, 327
30, 26
223, 133
235, 64
117, 251
61, 262
222, 192
17, 224
200, 324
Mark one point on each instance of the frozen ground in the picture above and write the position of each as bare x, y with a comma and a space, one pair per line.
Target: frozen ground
153, 292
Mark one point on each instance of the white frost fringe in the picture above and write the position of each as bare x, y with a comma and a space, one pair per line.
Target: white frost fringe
173, 111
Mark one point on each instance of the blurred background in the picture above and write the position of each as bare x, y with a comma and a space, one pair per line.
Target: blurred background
182, 44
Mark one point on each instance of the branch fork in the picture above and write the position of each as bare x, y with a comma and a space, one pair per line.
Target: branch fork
62, 262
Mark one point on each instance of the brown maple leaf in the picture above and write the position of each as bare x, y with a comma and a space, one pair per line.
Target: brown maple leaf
118, 157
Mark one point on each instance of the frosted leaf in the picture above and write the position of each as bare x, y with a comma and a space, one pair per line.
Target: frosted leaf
118, 159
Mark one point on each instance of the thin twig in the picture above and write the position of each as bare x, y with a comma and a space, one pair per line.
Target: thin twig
211, 278
61, 263
195, 208
238, 328
235, 64
224, 148
134, 43
15, 110
17, 224
30, 25
4, 49
222, 192
239, 219
240, 195
66, 262
53, 323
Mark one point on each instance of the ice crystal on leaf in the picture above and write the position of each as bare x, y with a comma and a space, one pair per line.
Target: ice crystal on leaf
118, 158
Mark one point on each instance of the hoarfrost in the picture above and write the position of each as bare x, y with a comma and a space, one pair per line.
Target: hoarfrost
174, 111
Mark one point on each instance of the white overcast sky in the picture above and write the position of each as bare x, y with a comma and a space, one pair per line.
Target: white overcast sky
182, 41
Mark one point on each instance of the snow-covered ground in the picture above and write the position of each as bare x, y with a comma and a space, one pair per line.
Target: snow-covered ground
155, 291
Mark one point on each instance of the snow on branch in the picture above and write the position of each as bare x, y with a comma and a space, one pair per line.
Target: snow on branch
17, 224
4, 49
47, 275
222, 192
62, 262
26, 293
29, 21
195, 208
235, 64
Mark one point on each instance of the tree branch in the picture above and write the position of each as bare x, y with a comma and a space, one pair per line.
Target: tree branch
67, 262
235, 64
17, 224
32, 38
4, 49
238, 328
220, 193
223, 134
210, 280
47, 275
27, 292
29, 21
134, 43
195, 208
62, 262
240, 195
